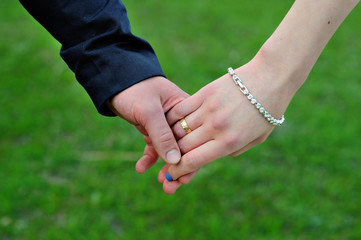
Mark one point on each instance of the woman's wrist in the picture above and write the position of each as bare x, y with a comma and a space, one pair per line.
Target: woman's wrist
289, 69
268, 84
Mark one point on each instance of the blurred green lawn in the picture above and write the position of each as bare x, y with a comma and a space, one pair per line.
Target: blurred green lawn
68, 173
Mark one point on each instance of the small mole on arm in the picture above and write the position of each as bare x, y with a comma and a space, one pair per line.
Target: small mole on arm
329, 22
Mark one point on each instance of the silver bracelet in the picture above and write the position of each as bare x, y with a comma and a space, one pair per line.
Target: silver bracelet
245, 91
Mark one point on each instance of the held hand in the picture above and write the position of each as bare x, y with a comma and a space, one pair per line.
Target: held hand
223, 121
144, 105
226, 124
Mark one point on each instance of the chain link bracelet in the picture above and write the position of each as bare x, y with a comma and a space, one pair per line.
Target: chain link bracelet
245, 91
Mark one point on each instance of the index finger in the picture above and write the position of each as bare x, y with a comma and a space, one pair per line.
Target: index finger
183, 109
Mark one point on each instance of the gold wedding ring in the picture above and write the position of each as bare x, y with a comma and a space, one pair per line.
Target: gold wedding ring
185, 126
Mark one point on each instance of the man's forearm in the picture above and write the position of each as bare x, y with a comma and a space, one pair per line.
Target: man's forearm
97, 45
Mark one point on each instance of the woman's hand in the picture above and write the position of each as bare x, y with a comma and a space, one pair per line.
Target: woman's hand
223, 121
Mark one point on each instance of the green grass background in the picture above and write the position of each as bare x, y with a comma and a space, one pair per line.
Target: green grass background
68, 173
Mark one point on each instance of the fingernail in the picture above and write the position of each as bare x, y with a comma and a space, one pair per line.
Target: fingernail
173, 156
168, 177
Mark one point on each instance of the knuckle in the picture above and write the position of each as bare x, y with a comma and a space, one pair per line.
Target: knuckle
220, 121
232, 140
179, 110
176, 131
191, 162
214, 104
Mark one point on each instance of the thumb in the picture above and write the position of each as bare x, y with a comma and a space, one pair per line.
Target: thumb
162, 137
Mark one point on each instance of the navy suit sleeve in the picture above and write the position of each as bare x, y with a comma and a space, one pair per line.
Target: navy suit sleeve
97, 45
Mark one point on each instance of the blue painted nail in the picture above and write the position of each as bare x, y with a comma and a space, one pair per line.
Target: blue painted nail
169, 177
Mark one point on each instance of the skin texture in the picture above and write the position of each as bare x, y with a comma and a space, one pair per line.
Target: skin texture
144, 105
222, 119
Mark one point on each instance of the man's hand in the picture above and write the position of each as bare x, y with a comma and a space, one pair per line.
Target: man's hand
144, 105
